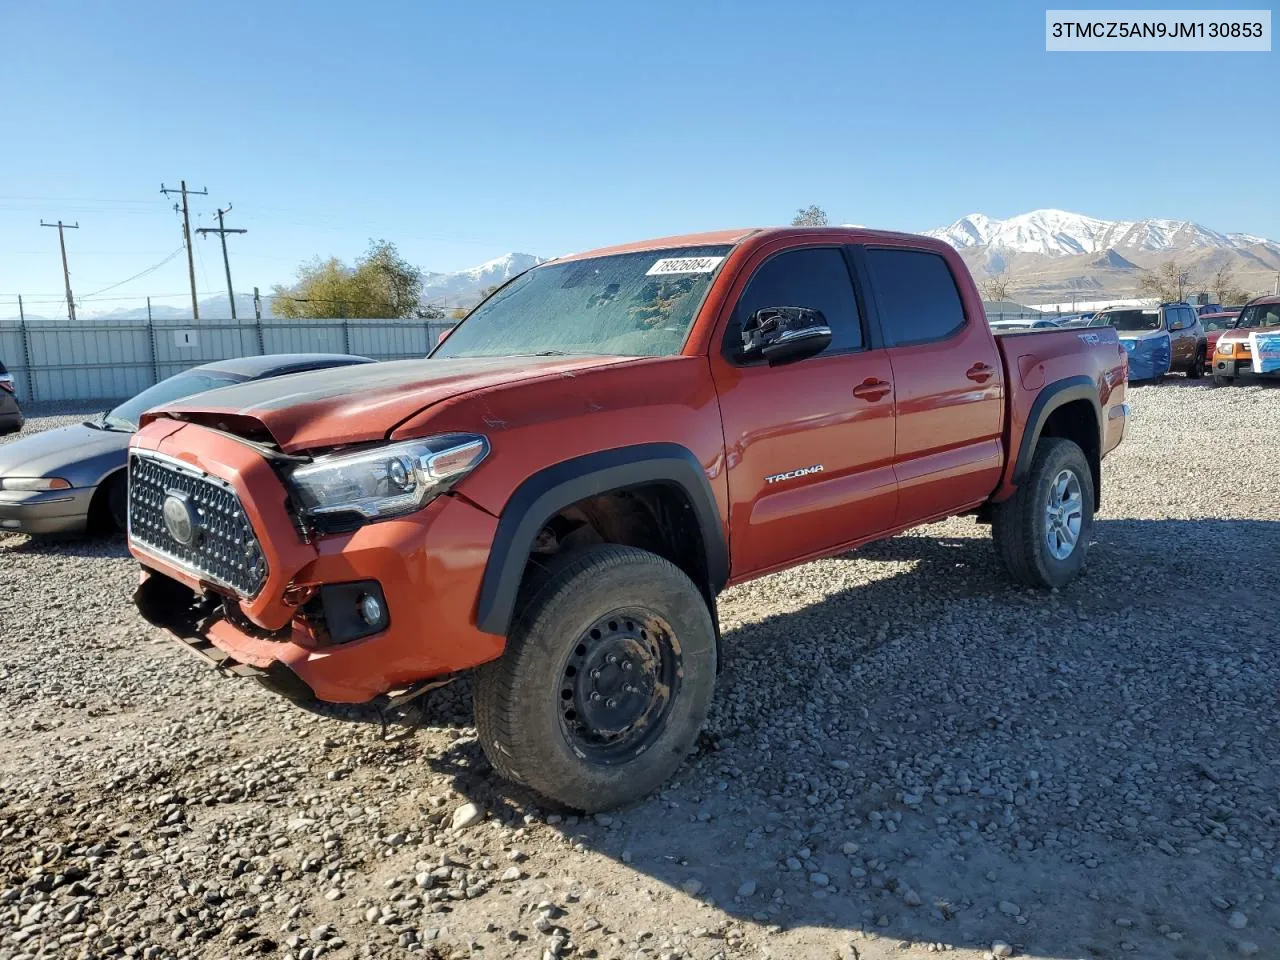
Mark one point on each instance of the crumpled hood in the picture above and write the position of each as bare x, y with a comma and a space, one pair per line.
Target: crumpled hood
326, 408
69, 452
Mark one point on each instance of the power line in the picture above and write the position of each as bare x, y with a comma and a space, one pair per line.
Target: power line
186, 237
142, 273
222, 232
66, 273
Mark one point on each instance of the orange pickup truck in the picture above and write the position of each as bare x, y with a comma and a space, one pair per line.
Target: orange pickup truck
559, 492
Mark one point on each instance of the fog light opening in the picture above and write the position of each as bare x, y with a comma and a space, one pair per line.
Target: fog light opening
371, 610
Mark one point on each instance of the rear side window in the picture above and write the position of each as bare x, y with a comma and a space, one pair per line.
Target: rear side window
817, 278
918, 298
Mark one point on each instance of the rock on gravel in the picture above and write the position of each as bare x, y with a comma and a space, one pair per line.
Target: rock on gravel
900, 721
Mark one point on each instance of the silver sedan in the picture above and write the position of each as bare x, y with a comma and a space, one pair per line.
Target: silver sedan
72, 479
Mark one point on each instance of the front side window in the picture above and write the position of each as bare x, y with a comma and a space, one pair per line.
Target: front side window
812, 277
628, 304
1261, 315
917, 294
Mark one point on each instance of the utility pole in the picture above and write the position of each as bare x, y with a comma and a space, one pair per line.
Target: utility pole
222, 232
186, 237
66, 274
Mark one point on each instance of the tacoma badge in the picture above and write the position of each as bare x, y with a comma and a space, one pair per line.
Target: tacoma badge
792, 474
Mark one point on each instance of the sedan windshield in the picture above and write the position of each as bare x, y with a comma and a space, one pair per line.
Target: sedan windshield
628, 304
1261, 315
125, 416
1133, 320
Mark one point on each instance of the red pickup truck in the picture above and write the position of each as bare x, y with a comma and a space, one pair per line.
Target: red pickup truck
558, 494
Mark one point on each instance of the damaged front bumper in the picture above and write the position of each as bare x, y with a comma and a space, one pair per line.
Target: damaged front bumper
296, 633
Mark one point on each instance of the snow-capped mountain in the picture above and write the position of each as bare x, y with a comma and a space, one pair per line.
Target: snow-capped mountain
1058, 233
464, 287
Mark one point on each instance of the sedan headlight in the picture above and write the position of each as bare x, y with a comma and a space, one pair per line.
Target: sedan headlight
34, 483
386, 481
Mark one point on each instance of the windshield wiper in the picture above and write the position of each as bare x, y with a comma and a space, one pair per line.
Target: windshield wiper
550, 353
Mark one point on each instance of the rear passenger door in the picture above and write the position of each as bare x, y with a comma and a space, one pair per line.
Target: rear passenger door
808, 444
949, 383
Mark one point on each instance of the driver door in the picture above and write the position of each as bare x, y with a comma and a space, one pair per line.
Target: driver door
809, 444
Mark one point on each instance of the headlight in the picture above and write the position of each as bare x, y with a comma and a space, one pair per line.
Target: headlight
1226, 346
34, 483
387, 481
1129, 344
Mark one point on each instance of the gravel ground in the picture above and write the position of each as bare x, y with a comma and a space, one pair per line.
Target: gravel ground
906, 755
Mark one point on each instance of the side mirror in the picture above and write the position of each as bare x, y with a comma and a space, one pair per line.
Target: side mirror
784, 334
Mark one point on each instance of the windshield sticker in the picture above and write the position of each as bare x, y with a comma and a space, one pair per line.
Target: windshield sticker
670, 265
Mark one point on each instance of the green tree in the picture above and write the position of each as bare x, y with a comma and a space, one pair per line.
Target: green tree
811, 216
381, 284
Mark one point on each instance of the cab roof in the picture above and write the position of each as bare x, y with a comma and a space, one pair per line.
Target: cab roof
734, 237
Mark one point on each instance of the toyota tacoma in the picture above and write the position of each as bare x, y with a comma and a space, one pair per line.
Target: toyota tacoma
557, 495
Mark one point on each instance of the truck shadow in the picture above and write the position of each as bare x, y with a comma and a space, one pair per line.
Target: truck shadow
933, 756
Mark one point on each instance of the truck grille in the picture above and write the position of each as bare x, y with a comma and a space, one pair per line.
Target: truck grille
194, 521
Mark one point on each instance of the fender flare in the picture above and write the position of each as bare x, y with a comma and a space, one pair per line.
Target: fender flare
545, 493
1049, 399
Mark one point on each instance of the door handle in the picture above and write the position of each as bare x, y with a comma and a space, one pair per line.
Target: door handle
872, 389
979, 373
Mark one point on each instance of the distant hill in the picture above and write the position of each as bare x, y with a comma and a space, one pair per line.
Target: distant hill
462, 289
1053, 254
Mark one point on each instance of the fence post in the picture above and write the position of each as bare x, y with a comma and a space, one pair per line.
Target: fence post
257, 321
151, 338
346, 337
26, 356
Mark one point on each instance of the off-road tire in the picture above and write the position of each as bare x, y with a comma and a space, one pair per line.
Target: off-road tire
518, 696
1220, 381
1197, 365
1019, 525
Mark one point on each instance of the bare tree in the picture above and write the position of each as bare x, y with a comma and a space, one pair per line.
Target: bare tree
1223, 282
995, 287
1170, 282
811, 216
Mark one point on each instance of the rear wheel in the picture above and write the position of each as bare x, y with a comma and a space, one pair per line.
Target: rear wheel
1197, 366
1042, 531
605, 682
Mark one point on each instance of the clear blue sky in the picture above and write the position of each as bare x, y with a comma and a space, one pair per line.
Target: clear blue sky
461, 131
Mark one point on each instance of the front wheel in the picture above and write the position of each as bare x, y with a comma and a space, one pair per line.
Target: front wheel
1042, 531
605, 682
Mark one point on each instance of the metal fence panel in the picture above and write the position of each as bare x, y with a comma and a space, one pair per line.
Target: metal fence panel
111, 359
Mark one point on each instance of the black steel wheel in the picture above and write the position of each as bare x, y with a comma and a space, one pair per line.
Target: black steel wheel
605, 682
617, 685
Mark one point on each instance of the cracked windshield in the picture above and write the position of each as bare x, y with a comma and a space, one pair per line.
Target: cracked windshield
629, 304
